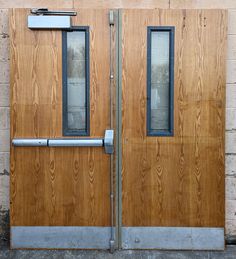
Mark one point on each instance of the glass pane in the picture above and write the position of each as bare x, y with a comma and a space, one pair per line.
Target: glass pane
76, 85
160, 80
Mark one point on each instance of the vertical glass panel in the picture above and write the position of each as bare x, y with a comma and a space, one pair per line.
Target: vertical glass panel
160, 80
76, 88
76, 80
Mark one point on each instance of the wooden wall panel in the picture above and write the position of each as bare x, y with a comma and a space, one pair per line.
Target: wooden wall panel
175, 181
57, 186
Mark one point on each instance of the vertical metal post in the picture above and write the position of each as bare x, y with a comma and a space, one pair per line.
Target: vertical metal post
112, 240
119, 128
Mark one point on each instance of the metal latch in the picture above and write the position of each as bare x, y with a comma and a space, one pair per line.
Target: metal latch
109, 141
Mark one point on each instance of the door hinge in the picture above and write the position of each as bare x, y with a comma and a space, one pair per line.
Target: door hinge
111, 18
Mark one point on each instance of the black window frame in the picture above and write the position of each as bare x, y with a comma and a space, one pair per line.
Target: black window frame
171, 30
66, 130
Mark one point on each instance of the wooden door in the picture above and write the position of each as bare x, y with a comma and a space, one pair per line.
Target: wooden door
60, 197
173, 186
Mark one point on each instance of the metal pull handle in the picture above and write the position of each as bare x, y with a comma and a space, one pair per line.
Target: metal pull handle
107, 142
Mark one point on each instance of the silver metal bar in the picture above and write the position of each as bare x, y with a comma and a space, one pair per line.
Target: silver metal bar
75, 142
119, 129
107, 142
45, 11
30, 142
49, 22
109, 134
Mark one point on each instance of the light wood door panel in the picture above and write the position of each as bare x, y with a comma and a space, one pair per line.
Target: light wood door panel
179, 180
57, 186
166, 181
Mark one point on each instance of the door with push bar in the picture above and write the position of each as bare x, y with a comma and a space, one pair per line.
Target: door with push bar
62, 129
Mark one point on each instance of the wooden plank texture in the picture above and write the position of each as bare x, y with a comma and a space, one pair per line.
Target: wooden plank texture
57, 186
175, 181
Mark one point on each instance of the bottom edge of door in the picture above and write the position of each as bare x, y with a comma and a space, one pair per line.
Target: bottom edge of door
173, 238
62, 237
165, 238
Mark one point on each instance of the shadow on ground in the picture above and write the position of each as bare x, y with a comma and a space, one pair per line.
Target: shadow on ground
5, 252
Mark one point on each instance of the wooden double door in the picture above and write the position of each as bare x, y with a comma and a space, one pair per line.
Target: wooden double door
163, 184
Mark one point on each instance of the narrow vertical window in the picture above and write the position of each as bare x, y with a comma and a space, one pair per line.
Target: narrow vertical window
76, 82
160, 81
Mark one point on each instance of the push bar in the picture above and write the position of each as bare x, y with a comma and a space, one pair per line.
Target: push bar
75, 142
107, 142
30, 142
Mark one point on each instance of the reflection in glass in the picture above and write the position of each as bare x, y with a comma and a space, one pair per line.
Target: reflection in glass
160, 80
76, 82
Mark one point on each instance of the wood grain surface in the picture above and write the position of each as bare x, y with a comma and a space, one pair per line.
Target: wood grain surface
166, 181
57, 186
175, 181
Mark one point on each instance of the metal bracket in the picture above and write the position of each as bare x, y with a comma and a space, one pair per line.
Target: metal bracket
111, 18
45, 11
49, 22
108, 141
